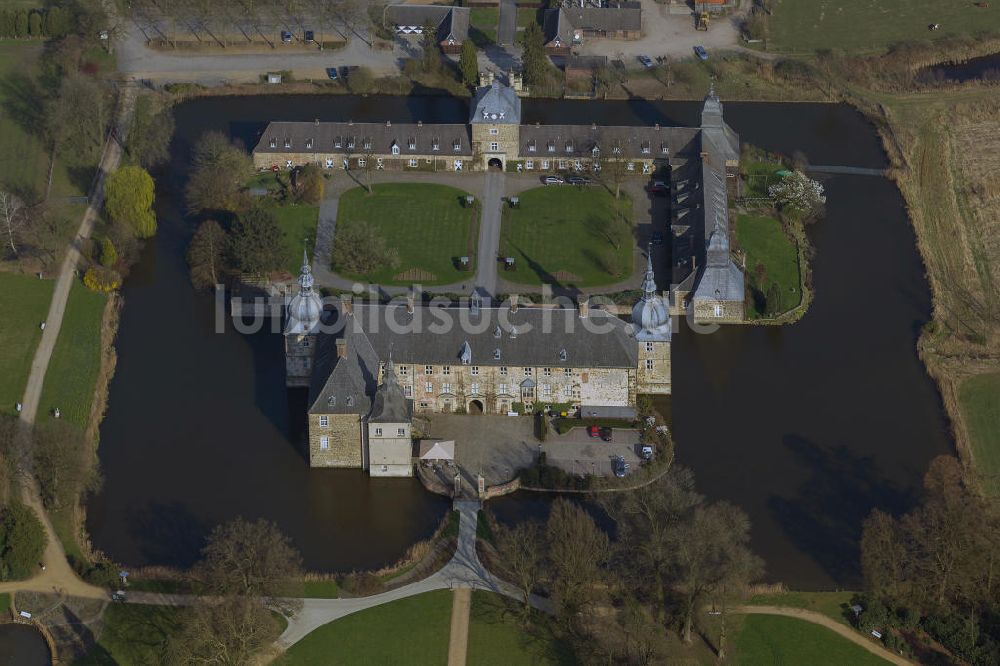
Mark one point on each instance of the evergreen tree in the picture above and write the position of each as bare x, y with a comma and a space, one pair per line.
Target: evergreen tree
22, 540
431, 54
468, 63
20, 23
535, 61
35, 24
6, 23
57, 22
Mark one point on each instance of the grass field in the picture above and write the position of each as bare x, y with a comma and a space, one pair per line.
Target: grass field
760, 175
24, 302
496, 637
772, 639
979, 400
483, 22
320, 589
76, 359
133, 635
4, 602
299, 224
426, 225
556, 236
412, 631
868, 25
24, 161
772, 259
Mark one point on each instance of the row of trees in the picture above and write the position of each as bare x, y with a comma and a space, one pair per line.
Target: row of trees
934, 568
673, 552
36, 23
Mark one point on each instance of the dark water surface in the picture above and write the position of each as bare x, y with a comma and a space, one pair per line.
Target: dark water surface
985, 68
21, 645
807, 427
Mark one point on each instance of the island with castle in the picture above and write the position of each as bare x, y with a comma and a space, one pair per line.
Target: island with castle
369, 367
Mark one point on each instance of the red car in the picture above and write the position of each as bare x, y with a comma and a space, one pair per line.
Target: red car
593, 431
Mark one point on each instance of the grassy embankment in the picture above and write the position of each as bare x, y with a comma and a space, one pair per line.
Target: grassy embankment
24, 302
772, 265
413, 630
862, 25
497, 637
426, 224
773, 639
133, 635
483, 22
559, 235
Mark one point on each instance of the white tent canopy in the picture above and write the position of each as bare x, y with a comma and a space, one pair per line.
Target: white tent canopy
437, 450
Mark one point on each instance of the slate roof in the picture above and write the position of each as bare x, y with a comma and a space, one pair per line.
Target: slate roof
555, 24
324, 137
390, 405
495, 105
582, 139
620, 17
344, 385
451, 22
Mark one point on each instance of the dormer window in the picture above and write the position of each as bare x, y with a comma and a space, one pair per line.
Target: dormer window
395, 148
617, 150
531, 146
435, 144
332, 401
645, 147
288, 142
457, 145
562, 354
338, 142
496, 354
273, 142
367, 143
411, 143
551, 146
350, 142
350, 401
569, 146
595, 151
309, 144
664, 149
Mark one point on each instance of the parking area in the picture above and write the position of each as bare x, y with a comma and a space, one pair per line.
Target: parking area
578, 453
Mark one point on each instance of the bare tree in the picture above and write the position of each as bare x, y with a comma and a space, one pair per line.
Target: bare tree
613, 166
576, 553
522, 549
222, 632
369, 166
13, 217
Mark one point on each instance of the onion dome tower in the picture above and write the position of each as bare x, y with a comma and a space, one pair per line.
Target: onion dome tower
301, 327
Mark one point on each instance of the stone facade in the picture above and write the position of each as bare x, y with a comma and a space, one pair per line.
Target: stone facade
494, 142
390, 449
335, 440
299, 351
654, 368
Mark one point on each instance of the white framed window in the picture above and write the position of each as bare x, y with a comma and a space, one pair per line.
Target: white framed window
456, 146
630, 166
569, 147
529, 164
503, 370
338, 142
503, 389
475, 370
324, 422
545, 164
646, 168
309, 144
494, 131
649, 364
378, 162
378, 432
429, 387
367, 144
324, 443
408, 391
567, 371
446, 370
649, 346
400, 432
404, 370
435, 144
411, 143
718, 310
362, 162
562, 164
458, 165
428, 369
273, 142
527, 372
288, 143
546, 372
551, 147
546, 390
446, 388
395, 149
494, 146
531, 147
412, 163
474, 388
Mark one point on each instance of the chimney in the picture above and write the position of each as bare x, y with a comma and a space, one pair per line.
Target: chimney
584, 308
388, 123
341, 347
409, 303
351, 123
513, 302
316, 121
420, 123
657, 127
593, 126
346, 305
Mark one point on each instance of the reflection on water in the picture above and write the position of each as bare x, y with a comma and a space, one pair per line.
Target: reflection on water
22, 645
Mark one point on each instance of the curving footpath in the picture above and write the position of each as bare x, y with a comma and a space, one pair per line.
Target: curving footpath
841, 630
464, 570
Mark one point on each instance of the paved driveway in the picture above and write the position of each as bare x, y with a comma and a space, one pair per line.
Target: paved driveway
579, 453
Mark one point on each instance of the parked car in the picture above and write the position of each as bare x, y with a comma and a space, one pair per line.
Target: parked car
593, 431
331, 73
606, 434
553, 180
657, 238
646, 452
659, 187
309, 36
286, 37
645, 60
620, 466
578, 180
701, 52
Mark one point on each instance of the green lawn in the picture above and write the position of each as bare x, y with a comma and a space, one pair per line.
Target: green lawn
831, 604
24, 161
298, 221
772, 639
133, 635
412, 631
24, 302
497, 638
483, 22
76, 360
526, 16
426, 224
979, 400
557, 236
4, 602
864, 25
759, 176
772, 259
320, 589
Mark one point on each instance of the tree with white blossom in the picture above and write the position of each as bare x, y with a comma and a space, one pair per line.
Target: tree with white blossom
798, 192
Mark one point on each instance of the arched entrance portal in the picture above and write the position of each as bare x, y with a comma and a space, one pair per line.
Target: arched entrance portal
495, 163
476, 407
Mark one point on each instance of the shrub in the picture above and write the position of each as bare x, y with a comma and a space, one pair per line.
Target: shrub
109, 256
362, 584
99, 278
22, 540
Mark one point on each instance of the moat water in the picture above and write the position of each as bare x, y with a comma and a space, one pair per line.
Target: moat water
807, 427
23, 645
